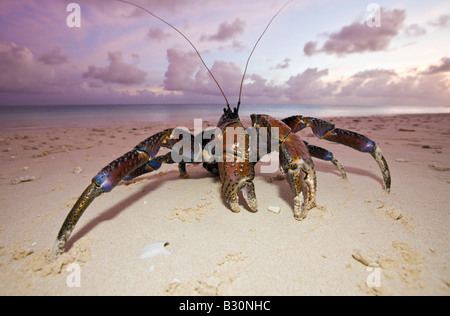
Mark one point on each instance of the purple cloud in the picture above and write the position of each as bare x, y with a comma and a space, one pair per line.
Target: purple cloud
158, 34
181, 71
284, 65
388, 87
414, 30
117, 72
368, 87
306, 85
226, 31
261, 89
442, 22
54, 57
358, 37
186, 73
444, 66
21, 72
152, 5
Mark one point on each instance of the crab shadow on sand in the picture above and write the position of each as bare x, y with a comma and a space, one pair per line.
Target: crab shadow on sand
157, 180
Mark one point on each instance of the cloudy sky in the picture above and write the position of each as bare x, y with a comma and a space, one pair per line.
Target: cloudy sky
315, 52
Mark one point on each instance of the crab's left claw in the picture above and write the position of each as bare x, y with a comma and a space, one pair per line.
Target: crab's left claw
108, 178
91, 192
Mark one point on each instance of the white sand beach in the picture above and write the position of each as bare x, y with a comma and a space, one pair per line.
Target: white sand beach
397, 241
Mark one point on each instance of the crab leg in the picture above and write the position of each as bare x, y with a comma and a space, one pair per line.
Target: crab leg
107, 179
323, 154
155, 164
327, 131
296, 164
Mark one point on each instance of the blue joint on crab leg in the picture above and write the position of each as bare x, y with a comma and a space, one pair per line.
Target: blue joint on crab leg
323, 154
107, 179
117, 170
150, 166
155, 165
327, 131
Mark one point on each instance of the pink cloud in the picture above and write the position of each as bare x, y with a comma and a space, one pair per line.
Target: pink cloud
390, 88
261, 89
158, 34
21, 72
226, 31
414, 30
54, 57
358, 37
441, 22
444, 66
306, 85
310, 48
181, 71
171, 5
284, 65
312, 86
117, 72
229, 76
186, 73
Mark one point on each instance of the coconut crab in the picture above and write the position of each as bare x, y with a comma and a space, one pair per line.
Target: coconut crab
236, 174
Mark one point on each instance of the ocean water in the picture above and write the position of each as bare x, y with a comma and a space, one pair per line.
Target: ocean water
39, 117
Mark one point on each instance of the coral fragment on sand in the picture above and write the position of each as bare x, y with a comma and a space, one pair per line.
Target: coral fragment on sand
154, 249
23, 179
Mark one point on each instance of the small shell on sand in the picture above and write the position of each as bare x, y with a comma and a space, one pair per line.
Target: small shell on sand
274, 209
23, 179
77, 170
154, 249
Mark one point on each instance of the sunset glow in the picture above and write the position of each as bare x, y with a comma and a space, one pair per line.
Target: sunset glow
316, 52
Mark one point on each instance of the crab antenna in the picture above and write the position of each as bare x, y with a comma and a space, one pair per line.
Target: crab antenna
184, 36
254, 48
